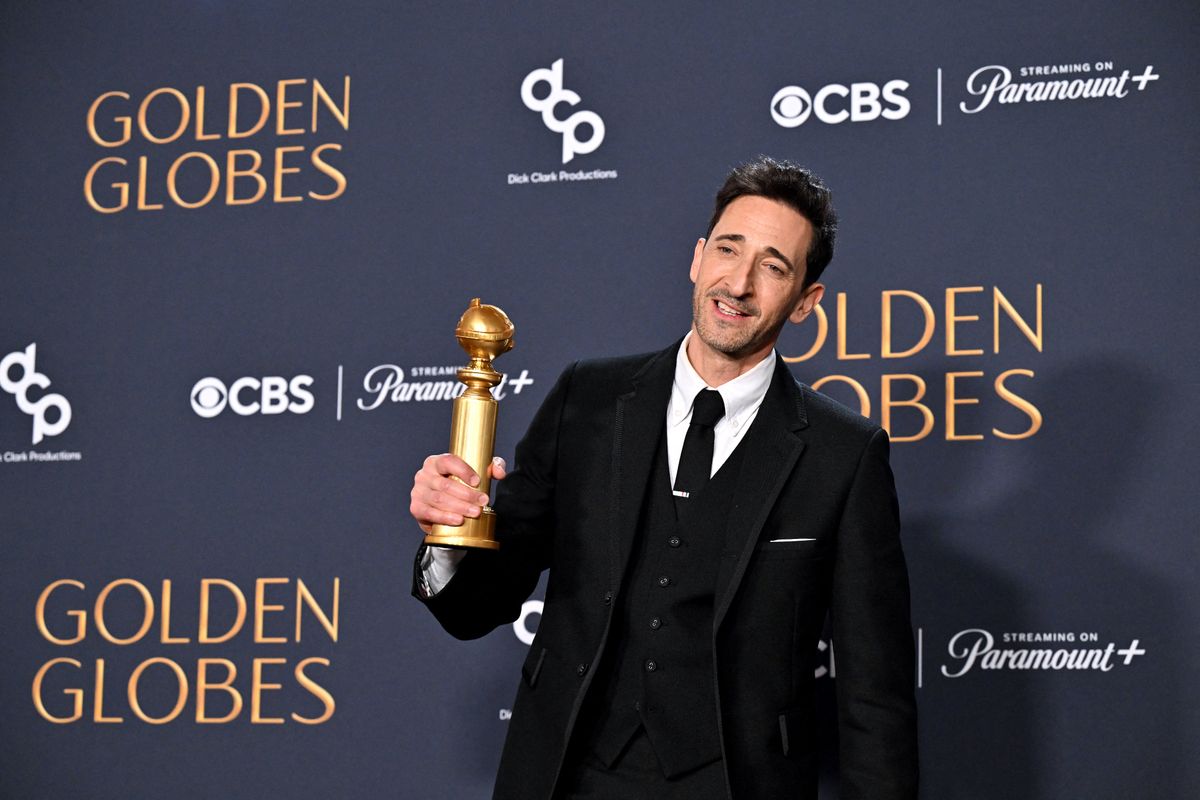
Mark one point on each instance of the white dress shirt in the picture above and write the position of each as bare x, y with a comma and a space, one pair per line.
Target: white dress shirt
742, 397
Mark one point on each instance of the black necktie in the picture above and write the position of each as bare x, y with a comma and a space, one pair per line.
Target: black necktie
695, 463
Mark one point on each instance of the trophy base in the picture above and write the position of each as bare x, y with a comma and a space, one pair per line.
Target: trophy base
475, 532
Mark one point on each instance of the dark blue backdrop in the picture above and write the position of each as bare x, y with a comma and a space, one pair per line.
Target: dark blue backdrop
1079, 536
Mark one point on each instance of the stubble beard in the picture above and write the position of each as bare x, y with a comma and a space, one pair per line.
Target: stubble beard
730, 343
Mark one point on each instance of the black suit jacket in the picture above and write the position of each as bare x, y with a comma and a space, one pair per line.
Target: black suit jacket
812, 470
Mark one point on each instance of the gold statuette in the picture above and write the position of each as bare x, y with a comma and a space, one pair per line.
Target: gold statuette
485, 332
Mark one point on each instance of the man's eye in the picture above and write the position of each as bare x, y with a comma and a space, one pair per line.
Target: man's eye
778, 270
723, 249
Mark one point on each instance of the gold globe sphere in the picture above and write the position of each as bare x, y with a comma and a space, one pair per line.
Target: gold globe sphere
484, 331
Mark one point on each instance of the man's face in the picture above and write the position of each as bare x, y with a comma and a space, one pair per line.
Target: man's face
748, 277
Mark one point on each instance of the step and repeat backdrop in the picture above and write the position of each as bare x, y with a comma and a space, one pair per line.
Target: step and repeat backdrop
237, 237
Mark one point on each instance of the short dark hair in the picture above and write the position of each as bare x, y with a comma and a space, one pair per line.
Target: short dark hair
794, 186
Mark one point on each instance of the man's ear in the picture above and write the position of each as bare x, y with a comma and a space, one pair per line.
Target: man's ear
696, 256
808, 301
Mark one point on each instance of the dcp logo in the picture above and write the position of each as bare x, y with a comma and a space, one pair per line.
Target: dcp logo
858, 102
26, 360
270, 395
568, 127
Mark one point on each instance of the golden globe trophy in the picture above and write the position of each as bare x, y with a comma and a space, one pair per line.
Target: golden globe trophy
485, 332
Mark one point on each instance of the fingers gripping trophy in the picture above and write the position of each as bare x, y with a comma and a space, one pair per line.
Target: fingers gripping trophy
485, 332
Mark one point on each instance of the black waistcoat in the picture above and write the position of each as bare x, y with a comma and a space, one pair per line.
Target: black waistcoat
658, 669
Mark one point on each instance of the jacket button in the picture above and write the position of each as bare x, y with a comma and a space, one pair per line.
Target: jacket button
607, 598
674, 541
582, 668
655, 623
664, 581
651, 665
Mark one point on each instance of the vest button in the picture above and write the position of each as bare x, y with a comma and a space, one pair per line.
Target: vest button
655, 623
607, 598
674, 541
582, 668
637, 705
651, 665
664, 581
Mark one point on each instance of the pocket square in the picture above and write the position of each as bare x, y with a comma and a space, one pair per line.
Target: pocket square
774, 541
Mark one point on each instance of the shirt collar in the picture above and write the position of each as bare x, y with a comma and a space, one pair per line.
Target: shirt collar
742, 395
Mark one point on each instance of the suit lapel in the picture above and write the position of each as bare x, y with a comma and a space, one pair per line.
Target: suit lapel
640, 421
773, 447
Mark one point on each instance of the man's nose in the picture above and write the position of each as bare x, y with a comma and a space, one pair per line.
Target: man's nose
740, 279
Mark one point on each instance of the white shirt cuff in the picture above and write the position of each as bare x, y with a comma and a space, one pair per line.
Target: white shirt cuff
438, 565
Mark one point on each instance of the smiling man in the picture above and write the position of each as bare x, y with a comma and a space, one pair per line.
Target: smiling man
747, 285
701, 513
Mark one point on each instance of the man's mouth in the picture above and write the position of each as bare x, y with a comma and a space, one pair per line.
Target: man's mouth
726, 310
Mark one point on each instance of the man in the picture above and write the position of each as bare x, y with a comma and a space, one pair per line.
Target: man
700, 513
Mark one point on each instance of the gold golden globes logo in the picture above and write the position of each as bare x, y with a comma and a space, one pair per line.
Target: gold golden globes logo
152, 174
93, 690
974, 322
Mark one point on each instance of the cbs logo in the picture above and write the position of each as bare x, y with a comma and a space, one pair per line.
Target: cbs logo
553, 77
858, 102
247, 396
521, 627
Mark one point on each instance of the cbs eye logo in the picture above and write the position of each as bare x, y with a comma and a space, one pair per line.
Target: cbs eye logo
247, 396
858, 102
791, 106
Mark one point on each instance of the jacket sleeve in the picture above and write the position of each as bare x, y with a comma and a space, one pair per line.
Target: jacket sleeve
489, 586
873, 642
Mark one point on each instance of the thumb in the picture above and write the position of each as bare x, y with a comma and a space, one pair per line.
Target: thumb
498, 468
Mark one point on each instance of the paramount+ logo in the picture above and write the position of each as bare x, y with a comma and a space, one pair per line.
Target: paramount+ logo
249, 396
837, 103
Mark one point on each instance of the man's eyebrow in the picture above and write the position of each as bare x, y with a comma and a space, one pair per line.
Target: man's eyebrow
737, 237
782, 258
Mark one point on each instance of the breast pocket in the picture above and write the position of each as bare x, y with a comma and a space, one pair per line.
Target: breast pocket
790, 548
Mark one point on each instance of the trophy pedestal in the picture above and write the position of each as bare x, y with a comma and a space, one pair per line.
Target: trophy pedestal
475, 532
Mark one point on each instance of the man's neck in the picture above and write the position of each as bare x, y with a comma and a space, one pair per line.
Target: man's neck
718, 368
